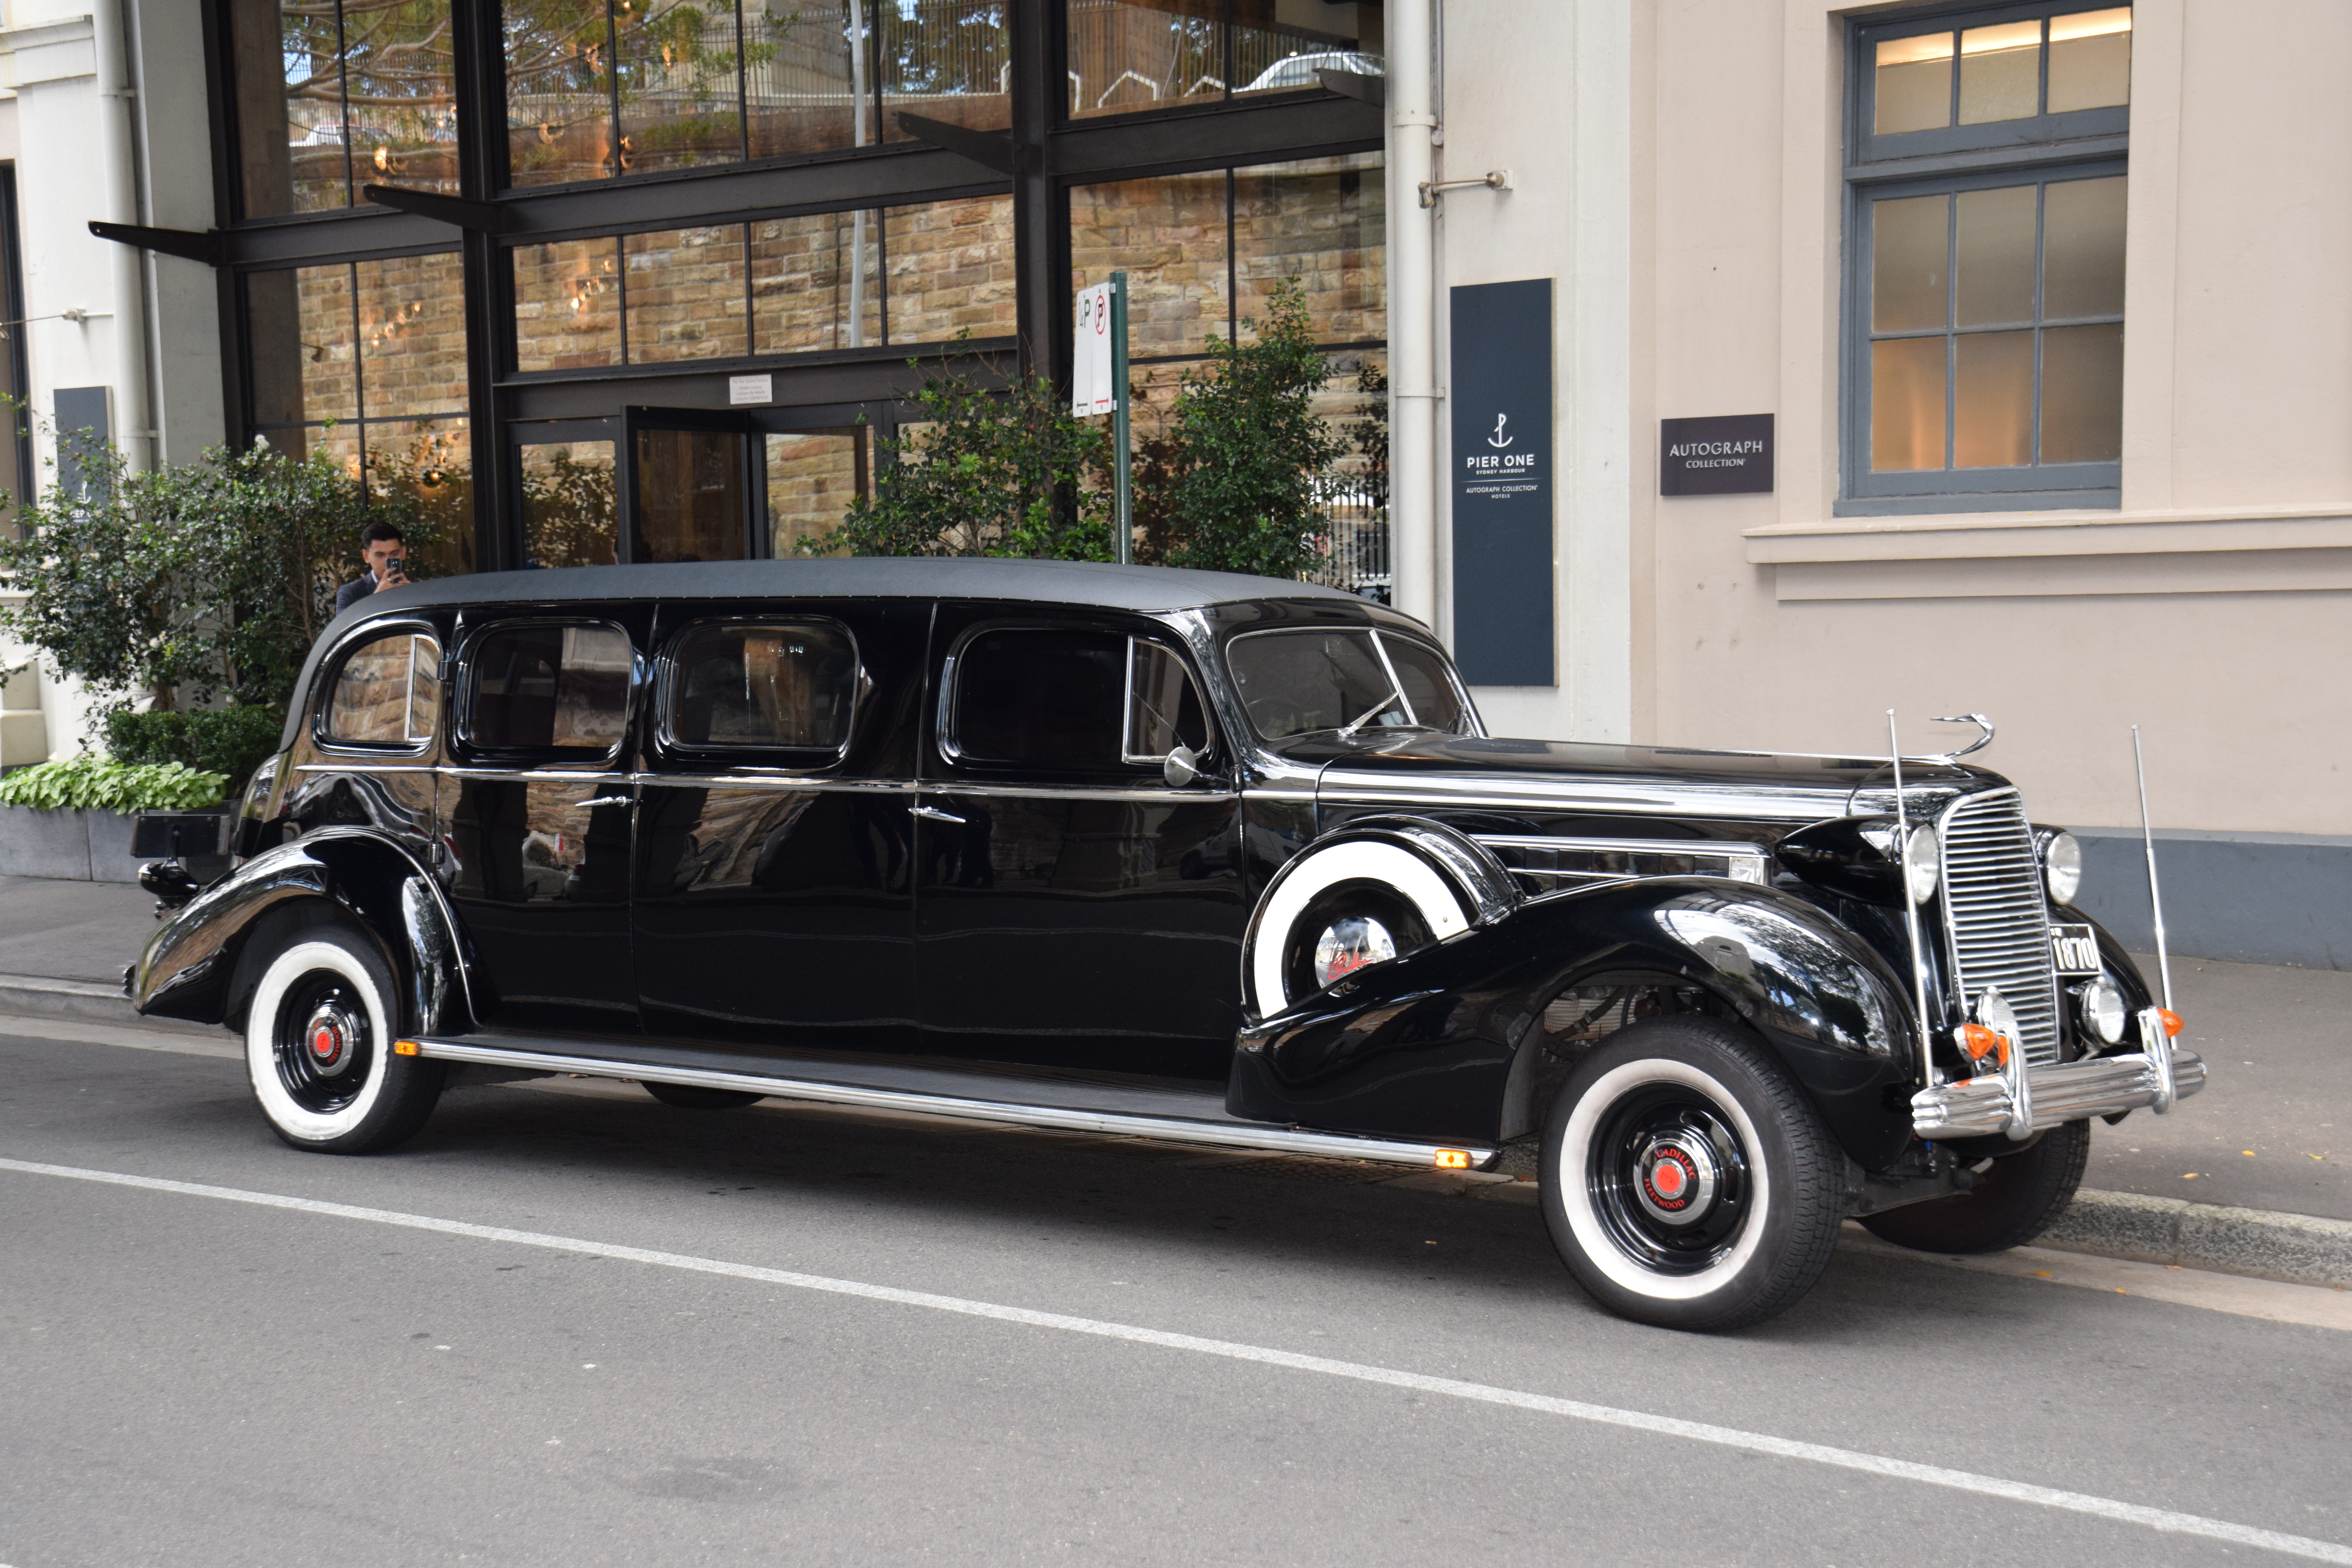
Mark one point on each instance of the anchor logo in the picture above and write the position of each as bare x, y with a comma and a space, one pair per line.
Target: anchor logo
1498, 439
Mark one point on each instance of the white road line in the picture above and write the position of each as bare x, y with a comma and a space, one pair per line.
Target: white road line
1662, 1425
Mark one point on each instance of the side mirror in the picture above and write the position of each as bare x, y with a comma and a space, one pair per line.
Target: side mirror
1181, 767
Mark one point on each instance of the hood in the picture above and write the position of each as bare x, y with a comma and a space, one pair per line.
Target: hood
1471, 772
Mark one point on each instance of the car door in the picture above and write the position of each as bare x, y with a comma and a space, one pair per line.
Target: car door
776, 894
538, 806
1071, 907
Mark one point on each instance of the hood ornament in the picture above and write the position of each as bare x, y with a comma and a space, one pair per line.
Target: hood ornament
1978, 744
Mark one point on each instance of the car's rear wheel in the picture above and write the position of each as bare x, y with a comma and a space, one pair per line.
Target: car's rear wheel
687, 1097
1687, 1182
319, 1049
2016, 1198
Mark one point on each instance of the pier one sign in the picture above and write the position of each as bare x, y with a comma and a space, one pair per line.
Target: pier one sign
1727, 456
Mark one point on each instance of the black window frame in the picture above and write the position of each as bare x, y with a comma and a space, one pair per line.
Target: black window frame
323, 709
667, 671
2047, 148
542, 758
949, 711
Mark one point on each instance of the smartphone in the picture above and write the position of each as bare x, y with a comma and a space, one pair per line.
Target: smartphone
396, 566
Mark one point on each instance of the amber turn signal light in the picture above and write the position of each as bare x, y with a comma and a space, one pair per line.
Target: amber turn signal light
405, 1049
1980, 1042
2173, 1022
1453, 1159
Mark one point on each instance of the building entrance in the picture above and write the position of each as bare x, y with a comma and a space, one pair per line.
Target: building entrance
706, 485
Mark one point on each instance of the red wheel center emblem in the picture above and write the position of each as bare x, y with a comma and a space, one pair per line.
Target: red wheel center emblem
1670, 1178
324, 1042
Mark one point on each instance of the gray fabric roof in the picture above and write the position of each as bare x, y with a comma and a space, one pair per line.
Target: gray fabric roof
1041, 582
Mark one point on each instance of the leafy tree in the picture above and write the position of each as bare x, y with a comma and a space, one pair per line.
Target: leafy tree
1009, 475
1251, 458
201, 582
569, 512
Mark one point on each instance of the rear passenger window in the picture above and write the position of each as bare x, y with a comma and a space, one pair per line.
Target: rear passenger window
790, 686
1073, 699
551, 688
387, 693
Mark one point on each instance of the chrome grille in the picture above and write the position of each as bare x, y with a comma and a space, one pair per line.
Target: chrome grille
1996, 925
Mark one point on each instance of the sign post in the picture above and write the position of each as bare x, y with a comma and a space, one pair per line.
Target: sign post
1098, 385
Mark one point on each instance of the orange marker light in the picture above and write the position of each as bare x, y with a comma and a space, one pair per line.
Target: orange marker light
1980, 1042
1453, 1159
2173, 1022
405, 1049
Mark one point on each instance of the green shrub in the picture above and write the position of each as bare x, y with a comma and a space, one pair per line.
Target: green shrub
228, 741
102, 784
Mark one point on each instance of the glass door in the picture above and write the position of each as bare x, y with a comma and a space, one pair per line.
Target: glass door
690, 484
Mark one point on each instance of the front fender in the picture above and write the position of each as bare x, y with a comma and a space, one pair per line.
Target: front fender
202, 961
1431, 1044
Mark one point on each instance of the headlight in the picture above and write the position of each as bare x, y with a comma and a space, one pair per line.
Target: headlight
2099, 1010
2061, 866
1923, 863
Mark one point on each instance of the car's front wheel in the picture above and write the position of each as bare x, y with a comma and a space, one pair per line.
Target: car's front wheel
319, 1048
1687, 1182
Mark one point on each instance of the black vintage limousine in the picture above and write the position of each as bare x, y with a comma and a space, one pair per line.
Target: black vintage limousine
1168, 853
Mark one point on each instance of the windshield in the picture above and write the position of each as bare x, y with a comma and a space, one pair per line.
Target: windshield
1353, 679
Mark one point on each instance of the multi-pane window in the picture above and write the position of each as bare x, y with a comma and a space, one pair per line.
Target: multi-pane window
774, 286
1985, 300
1202, 251
335, 94
1127, 56
366, 361
598, 88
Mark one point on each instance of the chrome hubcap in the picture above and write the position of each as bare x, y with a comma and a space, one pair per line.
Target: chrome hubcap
1346, 945
328, 1036
1675, 1179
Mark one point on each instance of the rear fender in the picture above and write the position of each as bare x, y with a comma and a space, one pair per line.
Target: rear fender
1450, 1042
203, 962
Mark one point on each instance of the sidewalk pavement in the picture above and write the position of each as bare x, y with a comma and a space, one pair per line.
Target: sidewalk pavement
2214, 1184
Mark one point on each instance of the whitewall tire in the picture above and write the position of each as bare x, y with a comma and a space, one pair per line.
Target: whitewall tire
1687, 1182
319, 1039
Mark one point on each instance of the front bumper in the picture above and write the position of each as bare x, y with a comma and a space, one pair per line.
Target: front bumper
2018, 1100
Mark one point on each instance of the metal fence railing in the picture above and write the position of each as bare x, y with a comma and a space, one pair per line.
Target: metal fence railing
1353, 550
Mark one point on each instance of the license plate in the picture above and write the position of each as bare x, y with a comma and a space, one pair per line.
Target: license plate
2073, 950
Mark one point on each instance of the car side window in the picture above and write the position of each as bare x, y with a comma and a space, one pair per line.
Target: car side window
789, 685
550, 687
1163, 706
1041, 696
387, 693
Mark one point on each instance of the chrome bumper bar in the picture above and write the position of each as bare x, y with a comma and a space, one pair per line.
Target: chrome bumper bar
2017, 1100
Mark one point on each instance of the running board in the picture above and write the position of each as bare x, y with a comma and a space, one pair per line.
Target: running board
1061, 1119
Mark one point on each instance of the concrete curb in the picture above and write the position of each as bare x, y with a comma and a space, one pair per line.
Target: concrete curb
43, 996
2300, 1250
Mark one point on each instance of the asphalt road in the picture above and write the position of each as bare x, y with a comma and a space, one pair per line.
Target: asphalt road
195, 1379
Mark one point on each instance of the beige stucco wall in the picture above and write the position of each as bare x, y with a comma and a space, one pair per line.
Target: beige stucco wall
2215, 609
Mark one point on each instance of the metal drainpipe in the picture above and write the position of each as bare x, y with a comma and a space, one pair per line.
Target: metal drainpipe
120, 196
1413, 341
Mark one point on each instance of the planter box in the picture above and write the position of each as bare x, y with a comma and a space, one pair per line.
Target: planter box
77, 845
43, 843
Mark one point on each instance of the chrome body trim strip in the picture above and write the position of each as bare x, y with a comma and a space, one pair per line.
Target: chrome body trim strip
540, 775
1071, 792
2072, 1092
1427, 791
366, 768
1113, 1124
794, 783
1742, 862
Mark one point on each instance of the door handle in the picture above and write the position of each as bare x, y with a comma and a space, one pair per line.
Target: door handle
933, 814
602, 800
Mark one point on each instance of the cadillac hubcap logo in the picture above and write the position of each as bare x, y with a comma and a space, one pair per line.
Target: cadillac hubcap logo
1675, 1180
329, 1043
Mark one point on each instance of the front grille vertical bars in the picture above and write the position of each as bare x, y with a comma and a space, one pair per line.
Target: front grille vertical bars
1996, 917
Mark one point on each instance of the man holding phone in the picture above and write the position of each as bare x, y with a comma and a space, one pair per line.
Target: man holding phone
385, 555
